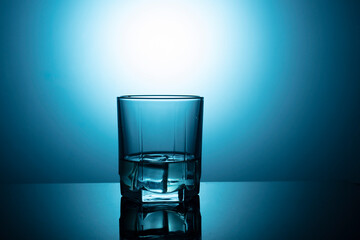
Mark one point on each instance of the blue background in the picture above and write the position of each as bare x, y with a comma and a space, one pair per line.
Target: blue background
280, 81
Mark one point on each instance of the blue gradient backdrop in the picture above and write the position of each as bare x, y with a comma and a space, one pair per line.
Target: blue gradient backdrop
280, 81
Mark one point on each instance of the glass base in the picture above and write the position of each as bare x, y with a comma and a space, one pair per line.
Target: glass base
146, 196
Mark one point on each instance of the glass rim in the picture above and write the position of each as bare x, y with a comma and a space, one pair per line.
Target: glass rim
160, 97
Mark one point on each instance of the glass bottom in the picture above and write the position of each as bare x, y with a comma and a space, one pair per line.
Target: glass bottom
146, 196
160, 177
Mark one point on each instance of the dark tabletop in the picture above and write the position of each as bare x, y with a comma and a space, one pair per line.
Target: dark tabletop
228, 210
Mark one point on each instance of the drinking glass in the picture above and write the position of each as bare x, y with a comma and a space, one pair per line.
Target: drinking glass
160, 139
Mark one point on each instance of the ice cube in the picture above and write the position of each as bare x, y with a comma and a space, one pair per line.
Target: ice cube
155, 176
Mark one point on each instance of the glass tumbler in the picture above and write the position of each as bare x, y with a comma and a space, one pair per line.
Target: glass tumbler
160, 139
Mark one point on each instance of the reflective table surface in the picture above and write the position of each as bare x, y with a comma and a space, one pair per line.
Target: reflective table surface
224, 210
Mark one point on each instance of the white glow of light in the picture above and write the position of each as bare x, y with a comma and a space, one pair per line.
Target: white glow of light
207, 48
161, 44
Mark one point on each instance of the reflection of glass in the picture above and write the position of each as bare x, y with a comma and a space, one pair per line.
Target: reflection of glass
160, 140
160, 220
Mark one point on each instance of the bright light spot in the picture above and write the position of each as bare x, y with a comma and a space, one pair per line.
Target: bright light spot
162, 47
160, 43
163, 43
